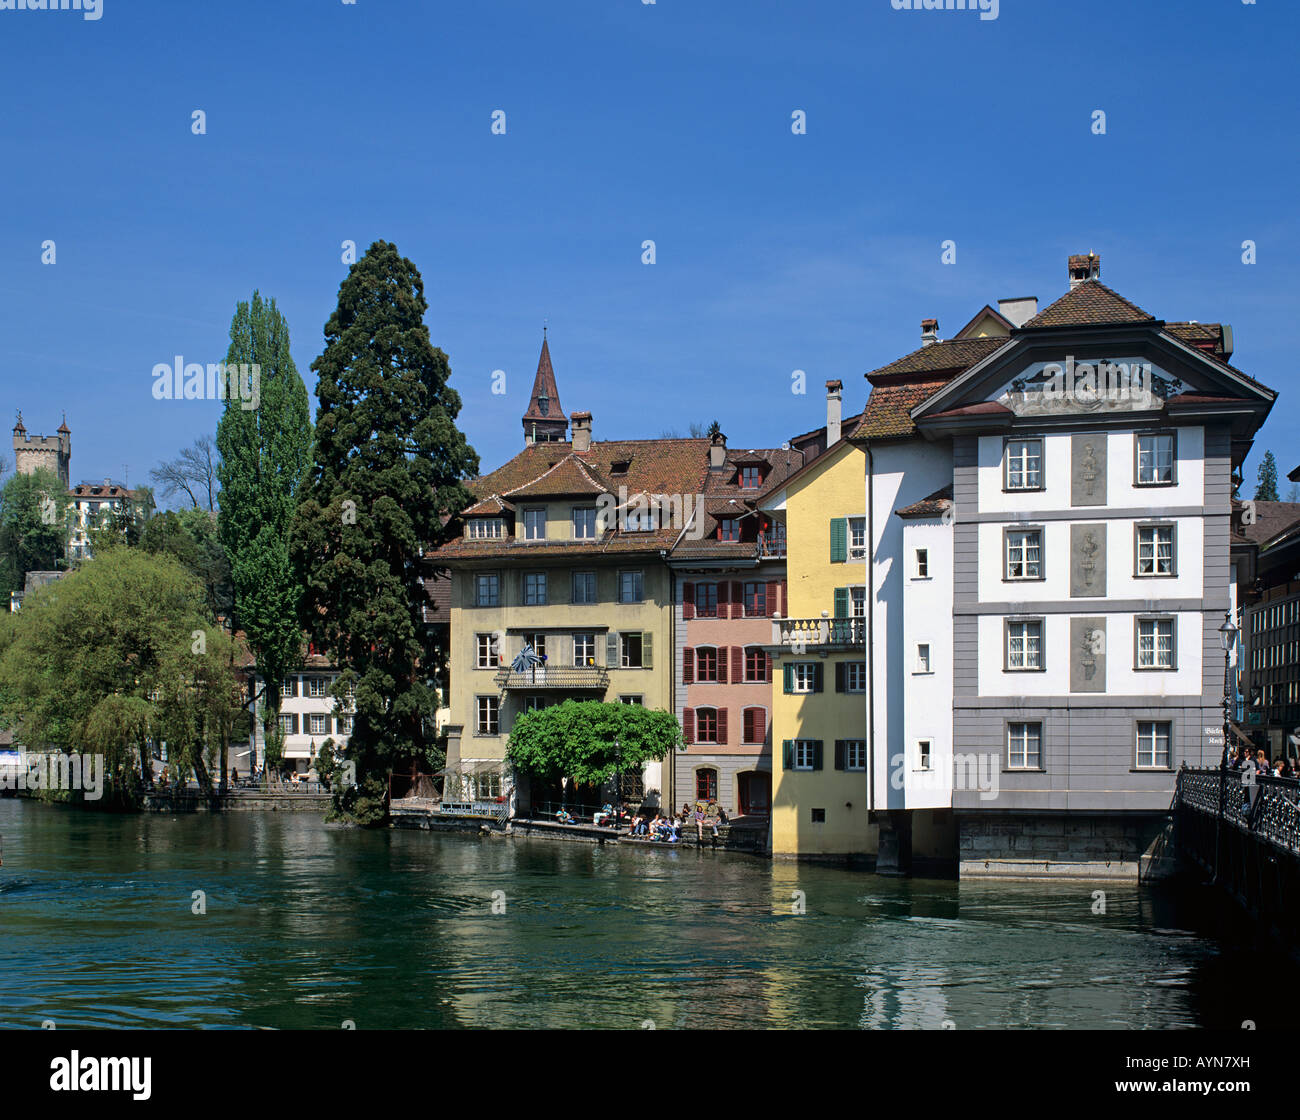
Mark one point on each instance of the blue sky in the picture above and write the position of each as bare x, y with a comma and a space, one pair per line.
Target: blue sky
627, 121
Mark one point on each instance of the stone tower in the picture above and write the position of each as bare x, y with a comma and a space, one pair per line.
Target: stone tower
54, 453
544, 422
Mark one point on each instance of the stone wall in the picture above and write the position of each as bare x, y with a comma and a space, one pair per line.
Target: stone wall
1063, 845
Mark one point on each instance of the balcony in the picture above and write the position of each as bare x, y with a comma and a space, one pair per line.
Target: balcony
572, 678
802, 633
771, 546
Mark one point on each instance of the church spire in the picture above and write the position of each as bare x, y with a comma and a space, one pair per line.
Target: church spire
544, 421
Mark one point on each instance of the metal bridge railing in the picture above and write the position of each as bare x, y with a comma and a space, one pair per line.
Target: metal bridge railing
1268, 807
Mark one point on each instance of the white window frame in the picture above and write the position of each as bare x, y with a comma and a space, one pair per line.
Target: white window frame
487, 715
1149, 744
1029, 464
857, 760
924, 754
1148, 474
1018, 754
623, 576
532, 517
1024, 626
921, 563
486, 651
924, 664
584, 648
803, 677
535, 589
580, 525
857, 538
1020, 544
1149, 653
1149, 551
858, 670
804, 754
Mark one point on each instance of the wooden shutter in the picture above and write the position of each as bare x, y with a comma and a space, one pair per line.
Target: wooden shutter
817, 677
293, 686
611, 650
722, 726
737, 664
688, 666
688, 724
772, 585
747, 725
841, 602
839, 754
722, 655
789, 678
295, 724
785, 598
817, 754
767, 667
840, 669
688, 600
839, 540
737, 600
787, 753
724, 599
647, 650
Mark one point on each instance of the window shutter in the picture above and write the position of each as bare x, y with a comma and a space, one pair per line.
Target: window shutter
787, 753
722, 726
785, 598
737, 664
767, 667
747, 725
839, 540
722, 655
611, 650
293, 686
789, 678
839, 754
688, 724
840, 670
724, 599
817, 677
688, 600
841, 602
772, 585
295, 724
647, 649
737, 600
817, 754
688, 666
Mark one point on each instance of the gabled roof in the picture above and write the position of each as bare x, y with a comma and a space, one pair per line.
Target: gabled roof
985, 312
569, 476
932, 506
889, 407
953, 356
1090, 303
491, 506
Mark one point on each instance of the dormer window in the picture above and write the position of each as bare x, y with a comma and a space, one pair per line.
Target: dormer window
485, 528
641, 520
620, 466
729, 529
749, 478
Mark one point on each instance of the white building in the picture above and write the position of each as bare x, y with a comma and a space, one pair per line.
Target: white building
308, 716
89, 501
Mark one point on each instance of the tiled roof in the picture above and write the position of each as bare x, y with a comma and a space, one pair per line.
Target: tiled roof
1272, 519
490, 506
437, 590
932, 506
887, 414
980, 408
1087, 304
953, 356
725, 498
569, 476
544, 380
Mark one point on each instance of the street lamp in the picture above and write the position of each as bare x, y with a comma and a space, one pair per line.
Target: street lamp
1227, 639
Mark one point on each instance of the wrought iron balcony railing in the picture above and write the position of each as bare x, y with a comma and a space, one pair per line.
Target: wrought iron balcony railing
802, 632
576, 677
771, 546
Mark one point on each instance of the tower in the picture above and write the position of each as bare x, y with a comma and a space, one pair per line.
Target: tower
544, 421
53, 453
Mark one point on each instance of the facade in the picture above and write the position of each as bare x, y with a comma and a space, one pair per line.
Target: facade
308, 716
90, 501
51, 453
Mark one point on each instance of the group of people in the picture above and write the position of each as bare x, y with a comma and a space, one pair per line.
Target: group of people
669, 829
1245, 759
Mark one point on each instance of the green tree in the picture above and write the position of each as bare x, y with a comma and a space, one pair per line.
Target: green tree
387, 472
33, 527
265, 459
1266, 491
589, 740
121, 526
191, 537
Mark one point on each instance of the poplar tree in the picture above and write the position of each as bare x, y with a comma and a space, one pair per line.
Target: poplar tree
387, 471
265, 458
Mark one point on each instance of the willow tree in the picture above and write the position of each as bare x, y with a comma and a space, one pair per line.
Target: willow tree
388, 468
265, 459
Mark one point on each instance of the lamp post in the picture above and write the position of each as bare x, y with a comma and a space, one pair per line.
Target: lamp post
1227, 638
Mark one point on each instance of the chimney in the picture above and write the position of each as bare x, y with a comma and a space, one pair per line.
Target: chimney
1084, 266
718, 452
1018, 311
834, 407
581, 422
929, 332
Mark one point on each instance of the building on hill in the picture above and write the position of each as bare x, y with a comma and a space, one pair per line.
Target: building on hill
90, 503
51, 453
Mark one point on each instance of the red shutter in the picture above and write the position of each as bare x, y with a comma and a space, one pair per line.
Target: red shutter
771, 597
747, 725
688, 666
767, 667
785, 598
737, 664
688, 724
737, 600
722, 664
724, 596
688, 600
722, 726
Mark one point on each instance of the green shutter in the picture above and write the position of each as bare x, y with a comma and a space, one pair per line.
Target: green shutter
817, 677
839, 540
787, 754
817, 754
841, 602
789, 677
839, 754
611, 650
647, 650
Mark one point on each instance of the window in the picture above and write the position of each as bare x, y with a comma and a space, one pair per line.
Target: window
1155, 550
487, 590
489, 716
805, 754
1153, 740
534, 589
750, 479
636, 700
630, 651
1024, 466
706, 600
538, 643
537, 703
1024, 554
631, 588
534, 524
851, 676
706, 725
488, 786
729, 529
317, 725
757, 666
923, 657
637, 520
1024, 645
1024, 746
818, 816
857, 538
804, 676
584, 587
485, 528
485, 647
706, 664
754, 725
1155, 459
288, 725
922, 565
344, 725
923, 752
620, 466
584, 523
706, 785
288, 687
1155, 643
857, 602
316, 687
755, 599
584, 649
852, 754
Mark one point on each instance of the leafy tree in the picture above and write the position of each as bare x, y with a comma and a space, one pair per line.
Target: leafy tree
122, 526
190, 536
33, 526
388, 466
195, 473
265, 459
1266, 491
589, 740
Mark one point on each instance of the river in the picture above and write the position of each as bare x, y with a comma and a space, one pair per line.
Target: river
313, 926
